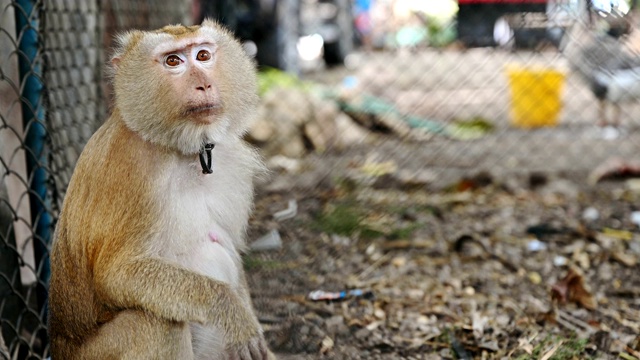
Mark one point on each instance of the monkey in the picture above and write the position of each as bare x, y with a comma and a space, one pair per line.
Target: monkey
146, 252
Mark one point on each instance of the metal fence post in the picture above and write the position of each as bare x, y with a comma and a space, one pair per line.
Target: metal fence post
32, 98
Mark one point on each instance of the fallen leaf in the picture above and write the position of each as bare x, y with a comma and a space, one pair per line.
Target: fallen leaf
549, 317
478, 324
525, 344
373, 325
571, 289
625, 259
626, 356
377, 169
465, 185
326, 345
470, 129
582, 259
399, 261
633, 185
618, 234
534, 277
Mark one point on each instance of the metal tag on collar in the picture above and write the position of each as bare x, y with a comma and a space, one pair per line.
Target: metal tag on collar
205, 158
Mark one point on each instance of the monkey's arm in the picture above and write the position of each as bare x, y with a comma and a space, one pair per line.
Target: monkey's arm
175, 293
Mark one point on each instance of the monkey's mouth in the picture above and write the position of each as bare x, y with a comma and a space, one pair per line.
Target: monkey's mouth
203, 110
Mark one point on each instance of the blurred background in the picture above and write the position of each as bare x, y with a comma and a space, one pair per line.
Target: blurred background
448, 179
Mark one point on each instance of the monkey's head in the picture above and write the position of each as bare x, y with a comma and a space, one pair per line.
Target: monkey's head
181, 87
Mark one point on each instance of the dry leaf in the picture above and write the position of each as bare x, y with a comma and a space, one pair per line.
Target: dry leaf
618, 234
377, 169
625, 259
549, 317
525, 345
479, 323
399, 261
534, 277
571, 288
326, 345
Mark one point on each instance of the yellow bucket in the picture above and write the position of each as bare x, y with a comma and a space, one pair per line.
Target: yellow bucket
535, 96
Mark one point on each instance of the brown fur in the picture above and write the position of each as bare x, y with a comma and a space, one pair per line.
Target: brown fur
117, 290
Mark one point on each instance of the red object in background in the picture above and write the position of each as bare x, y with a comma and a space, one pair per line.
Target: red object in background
465, 2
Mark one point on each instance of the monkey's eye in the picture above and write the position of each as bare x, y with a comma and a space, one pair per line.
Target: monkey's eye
172, 60
203, 55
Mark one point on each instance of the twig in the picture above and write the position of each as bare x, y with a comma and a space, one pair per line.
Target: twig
550, 353
626, 356
567, 324
568, 319
487, 249
633, 352
373, 266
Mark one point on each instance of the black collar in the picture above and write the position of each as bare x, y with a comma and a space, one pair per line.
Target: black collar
205, 151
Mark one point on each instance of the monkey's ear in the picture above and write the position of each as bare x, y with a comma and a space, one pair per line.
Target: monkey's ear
115, 61
123, 42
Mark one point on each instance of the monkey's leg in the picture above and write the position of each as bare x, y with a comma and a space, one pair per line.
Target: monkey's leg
134, 334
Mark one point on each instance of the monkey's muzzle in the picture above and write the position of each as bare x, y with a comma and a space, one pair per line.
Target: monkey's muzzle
208, 109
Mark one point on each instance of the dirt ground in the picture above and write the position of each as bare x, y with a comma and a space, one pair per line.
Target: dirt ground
526, 265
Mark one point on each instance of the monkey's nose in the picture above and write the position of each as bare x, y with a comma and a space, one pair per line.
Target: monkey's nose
204, 87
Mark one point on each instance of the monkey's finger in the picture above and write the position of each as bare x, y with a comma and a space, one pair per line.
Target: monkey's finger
264, 349
258, 350
245, 353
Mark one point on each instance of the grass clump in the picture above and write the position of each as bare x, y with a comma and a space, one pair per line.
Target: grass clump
568, 349
341, 219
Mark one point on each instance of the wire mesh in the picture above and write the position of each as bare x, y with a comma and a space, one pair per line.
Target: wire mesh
69, 39
453, 99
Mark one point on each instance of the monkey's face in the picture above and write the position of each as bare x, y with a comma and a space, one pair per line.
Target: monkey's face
189, 71
184, 86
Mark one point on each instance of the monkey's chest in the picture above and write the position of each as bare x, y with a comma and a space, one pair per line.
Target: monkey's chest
203, 217
212, 257
208, 251
200, 237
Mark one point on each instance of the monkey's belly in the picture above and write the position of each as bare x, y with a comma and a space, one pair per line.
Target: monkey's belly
208, 342
214, 260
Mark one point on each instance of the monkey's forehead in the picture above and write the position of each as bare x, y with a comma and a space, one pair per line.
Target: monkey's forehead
179, 30
163, 45
177, 37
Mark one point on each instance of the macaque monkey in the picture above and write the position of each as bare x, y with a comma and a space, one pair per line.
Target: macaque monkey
146, 254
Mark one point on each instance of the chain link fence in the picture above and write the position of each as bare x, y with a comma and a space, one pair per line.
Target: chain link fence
52, 98
471, 102
522, 87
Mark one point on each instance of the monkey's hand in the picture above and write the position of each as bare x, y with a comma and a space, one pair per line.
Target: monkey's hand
253, 349
243, 334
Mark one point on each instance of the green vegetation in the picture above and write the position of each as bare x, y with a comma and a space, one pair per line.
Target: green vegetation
341, 219
349, 218
403, 233
269, 78
568, 349
253, 262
